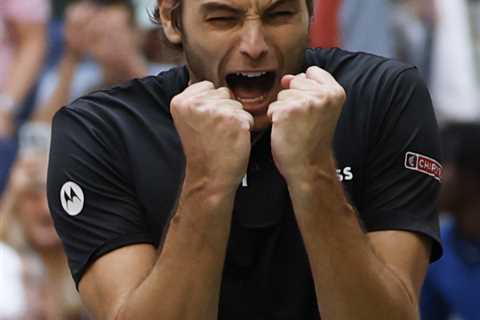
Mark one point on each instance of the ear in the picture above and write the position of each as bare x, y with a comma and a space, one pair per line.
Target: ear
172, 32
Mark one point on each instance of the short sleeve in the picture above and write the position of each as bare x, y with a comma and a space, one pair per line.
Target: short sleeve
402, 176
22, 10
90, 191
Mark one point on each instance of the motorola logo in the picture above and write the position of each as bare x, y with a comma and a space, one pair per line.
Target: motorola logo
72, 198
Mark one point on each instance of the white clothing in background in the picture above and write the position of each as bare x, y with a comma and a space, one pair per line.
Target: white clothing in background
12, 293
454, 79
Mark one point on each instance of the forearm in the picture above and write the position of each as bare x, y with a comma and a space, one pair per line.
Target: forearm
351, 281
61, 94
28, 60
185, 281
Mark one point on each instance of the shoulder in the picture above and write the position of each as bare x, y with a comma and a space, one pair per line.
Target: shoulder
369, 73
22, 10
354, 64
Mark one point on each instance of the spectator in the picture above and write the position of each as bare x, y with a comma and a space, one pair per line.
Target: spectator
103, 31
49, 292
12, 301
452, 286
366, 26
22, 48
454, 83
414, 24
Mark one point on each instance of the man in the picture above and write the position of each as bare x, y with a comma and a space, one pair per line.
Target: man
452, 285
227, 167
104, 31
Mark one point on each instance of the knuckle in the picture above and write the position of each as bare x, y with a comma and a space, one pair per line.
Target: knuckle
282, 95
224, 91
207, 84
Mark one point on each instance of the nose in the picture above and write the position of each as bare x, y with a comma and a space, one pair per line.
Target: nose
253, 43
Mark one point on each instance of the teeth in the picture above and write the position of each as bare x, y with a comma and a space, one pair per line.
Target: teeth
251, 100
251, 74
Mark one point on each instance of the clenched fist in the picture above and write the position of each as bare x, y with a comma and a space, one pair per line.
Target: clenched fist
304, 119
215, 134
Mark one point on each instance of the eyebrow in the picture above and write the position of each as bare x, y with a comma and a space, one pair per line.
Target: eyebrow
215, 6
278, 3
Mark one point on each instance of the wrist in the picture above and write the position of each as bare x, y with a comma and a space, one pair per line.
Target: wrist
322, 170
210, 185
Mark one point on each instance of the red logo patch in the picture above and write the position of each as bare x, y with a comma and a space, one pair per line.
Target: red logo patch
423, 164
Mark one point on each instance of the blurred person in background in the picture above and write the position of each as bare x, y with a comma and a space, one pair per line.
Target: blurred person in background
22, 49
454, 79
414, 24
106, 33
366, 26
27, 227
12, 301
452, 286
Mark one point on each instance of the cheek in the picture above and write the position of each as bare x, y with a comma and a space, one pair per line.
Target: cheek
204, 59
294, 44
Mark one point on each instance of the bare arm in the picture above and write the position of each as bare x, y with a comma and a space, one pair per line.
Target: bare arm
28, 56
61, 93
184, 281
78, 19
356, 275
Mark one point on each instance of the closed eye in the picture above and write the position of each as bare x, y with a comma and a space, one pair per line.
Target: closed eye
280, 15
222, 21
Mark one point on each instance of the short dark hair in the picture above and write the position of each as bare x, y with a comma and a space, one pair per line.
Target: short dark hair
176, 14
127, 4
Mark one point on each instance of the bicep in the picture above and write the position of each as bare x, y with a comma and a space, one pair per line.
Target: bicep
110, 280
407, 254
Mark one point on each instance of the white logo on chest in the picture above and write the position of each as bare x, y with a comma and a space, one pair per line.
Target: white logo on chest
345, 174
72, 198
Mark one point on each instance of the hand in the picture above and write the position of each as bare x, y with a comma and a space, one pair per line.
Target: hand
215, 134
304, 119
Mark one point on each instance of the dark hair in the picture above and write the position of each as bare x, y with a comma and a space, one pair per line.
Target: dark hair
461, 146
176, 14
127, 4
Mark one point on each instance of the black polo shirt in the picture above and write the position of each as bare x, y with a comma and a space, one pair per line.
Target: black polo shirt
116, 166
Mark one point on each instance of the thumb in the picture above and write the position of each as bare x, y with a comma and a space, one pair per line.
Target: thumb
286, 80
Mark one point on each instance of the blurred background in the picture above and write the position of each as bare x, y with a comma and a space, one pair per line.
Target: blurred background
53, 51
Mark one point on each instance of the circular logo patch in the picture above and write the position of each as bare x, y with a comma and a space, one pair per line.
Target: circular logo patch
72, 198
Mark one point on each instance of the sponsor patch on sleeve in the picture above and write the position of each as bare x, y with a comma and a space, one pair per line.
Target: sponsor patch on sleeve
423, 164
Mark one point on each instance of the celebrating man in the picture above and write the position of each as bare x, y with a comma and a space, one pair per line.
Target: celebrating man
212, 191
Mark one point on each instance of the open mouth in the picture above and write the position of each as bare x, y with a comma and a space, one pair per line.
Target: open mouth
251, 88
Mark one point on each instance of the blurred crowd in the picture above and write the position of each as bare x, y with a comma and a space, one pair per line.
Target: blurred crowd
53, 51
